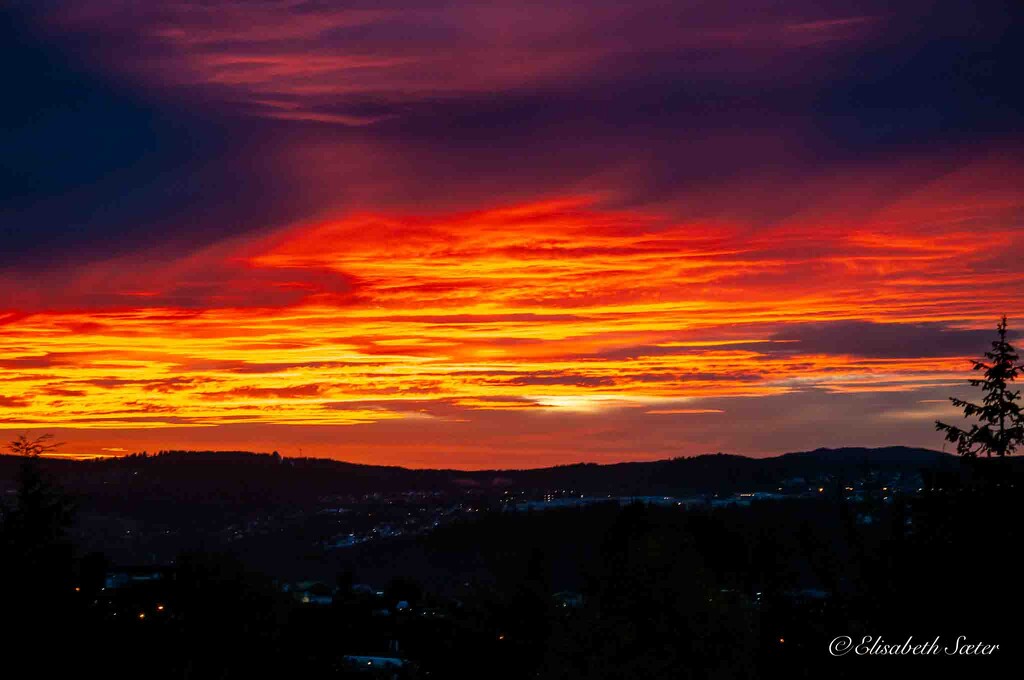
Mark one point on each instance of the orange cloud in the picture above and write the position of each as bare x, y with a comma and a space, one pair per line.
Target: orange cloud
558, 307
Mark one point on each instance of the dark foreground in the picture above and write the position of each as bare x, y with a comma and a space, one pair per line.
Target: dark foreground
601, 591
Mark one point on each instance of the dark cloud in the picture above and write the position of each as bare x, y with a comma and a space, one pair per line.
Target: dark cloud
92, 168
47, 360
882, 340
57, 391
856, 338
942, 75
566, 379
160, 385
122, 137
285, 392
14, 402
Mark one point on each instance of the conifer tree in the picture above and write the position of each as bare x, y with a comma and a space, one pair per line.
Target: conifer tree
999, 428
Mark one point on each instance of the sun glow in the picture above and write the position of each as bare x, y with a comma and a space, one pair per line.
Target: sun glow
547, 307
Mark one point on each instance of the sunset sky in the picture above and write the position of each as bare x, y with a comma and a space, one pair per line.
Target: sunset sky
504, 234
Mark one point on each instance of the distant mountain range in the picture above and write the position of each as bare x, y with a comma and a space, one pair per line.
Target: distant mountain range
234, 477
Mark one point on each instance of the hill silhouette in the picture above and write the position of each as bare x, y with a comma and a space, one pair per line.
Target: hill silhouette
244, 478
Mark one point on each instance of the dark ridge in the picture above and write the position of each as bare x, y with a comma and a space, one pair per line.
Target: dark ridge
243, 478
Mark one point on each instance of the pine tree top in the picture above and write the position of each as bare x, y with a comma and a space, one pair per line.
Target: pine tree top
1000, 427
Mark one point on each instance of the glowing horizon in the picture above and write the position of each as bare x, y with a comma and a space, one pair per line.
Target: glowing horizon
382, 285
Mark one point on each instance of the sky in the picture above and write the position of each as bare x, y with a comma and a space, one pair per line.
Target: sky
504, 234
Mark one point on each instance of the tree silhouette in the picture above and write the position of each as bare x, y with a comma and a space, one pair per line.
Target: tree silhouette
42, 511
1000, 427
33, 448
36, 558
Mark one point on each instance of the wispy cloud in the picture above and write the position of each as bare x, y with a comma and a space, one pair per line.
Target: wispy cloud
452, 231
